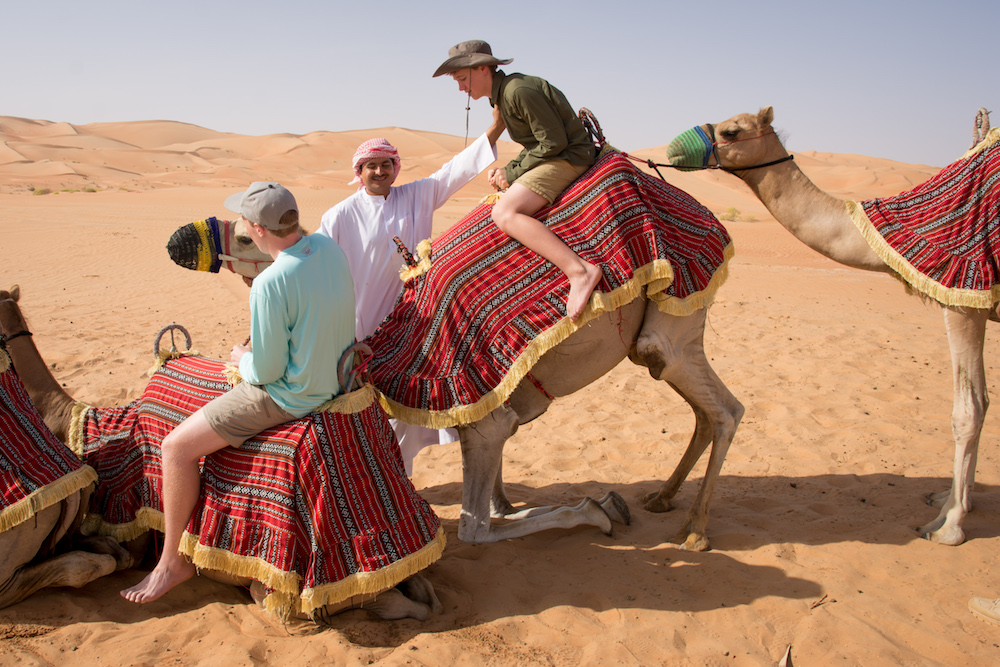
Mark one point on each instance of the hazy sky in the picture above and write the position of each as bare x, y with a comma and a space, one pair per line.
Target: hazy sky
886, 78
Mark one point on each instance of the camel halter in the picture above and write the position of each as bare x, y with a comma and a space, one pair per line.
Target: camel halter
697, 147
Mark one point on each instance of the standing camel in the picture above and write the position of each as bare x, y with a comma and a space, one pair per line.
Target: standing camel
671, 346
747, 146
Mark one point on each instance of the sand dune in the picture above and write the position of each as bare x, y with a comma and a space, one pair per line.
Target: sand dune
846, 381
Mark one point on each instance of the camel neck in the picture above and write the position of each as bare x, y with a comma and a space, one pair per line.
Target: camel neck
816, 218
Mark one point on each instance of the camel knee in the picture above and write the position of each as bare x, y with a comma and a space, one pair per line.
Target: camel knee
654, 355
727, 422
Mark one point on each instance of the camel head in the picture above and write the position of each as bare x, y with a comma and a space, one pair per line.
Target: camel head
11, 320
743, 142
208, 245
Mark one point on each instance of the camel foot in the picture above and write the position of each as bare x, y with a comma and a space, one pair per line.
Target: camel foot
419, 589
947, 535
594, 515
162, 579
693, 542
392, 605
108, 546
654, 502
616, 508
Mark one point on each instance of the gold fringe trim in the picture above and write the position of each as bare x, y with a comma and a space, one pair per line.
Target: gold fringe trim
949, 296
423, 255
490, 199
349, 404
370, 583
693, 302
4, 361
166, 355
655, 276
146, 519
232, 373
212, 558
991, 138
48, 495
288, 596
74, 437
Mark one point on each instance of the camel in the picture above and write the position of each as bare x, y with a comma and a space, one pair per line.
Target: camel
21, 545
21, 571
670, 346
49, 531
747, 146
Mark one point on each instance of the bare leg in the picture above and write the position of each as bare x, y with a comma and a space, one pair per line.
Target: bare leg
182, 449
513, 215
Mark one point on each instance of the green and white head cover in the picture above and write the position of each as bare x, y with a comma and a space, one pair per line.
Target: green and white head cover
690, 150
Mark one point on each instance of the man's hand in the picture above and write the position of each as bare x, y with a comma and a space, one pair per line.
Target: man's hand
498, 179
238, 352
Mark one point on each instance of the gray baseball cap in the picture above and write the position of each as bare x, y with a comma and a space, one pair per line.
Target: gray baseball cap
263, 203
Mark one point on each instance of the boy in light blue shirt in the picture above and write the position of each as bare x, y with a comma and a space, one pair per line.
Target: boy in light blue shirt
301, 322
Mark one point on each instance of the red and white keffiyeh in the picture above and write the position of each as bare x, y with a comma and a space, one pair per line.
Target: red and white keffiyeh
374, 149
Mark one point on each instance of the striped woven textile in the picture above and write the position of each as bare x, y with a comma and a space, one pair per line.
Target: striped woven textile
480, 308
317, 510
943, 236
36, 470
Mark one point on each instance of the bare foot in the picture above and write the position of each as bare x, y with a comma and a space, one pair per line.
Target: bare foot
580, 289
163, 578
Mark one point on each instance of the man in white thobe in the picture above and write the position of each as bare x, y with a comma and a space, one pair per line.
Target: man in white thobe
364, 224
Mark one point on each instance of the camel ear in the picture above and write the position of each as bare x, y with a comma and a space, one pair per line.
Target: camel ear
766, 115
15, 293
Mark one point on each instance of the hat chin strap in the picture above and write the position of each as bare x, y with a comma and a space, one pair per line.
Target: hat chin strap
468, 107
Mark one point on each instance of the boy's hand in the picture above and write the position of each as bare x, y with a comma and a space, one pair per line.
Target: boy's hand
498, 179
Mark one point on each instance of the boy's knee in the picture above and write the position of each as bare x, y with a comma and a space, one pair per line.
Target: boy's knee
502, 217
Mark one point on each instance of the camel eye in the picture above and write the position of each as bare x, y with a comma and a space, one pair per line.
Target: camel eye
243, 239
729, 134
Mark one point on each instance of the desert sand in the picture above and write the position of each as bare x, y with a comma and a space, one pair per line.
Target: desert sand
846, 382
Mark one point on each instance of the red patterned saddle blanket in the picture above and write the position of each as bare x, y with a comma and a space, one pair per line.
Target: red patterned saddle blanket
943, 237
481, 308
318, 509
36, 470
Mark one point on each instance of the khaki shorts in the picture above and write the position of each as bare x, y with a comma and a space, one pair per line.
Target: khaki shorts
243, 412
549, 179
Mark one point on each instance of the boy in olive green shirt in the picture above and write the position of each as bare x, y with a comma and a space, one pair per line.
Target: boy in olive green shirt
557, 150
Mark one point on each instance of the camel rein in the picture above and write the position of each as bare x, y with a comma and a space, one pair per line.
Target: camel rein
715, 152
4, 337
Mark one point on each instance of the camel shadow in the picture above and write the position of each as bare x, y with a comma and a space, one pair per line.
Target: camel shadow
638, 567
751, 512
479, 584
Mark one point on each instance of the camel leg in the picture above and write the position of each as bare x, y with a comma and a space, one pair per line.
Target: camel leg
659, 500
20, 545
482, 452
413, 598
672, 348
612, 503
500, 507
108, 546
966, 337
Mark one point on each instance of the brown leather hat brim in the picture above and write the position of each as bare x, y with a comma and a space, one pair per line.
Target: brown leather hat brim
469, 60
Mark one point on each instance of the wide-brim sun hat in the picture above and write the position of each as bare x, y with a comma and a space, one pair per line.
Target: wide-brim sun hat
473, 53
